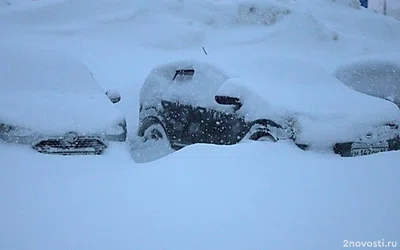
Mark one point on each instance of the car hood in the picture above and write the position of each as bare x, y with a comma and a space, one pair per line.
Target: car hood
51, 112
325, 110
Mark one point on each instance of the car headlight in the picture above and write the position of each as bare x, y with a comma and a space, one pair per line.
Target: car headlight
14, 134
117, 132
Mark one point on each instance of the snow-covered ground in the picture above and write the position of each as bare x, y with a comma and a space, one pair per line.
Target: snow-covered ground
247, 196
250, 196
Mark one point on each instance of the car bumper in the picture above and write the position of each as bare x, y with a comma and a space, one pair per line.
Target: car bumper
352, 149
81, 145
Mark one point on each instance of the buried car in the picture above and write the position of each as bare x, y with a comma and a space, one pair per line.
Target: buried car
53, 104
187, 102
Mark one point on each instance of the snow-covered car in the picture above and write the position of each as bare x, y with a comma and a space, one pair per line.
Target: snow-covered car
187, 102
377, 77
54, 104
179, 103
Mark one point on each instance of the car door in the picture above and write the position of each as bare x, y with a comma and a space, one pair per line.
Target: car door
216, 127
176, 117
187, 124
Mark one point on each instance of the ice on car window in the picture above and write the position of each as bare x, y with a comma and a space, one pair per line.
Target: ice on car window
183, 75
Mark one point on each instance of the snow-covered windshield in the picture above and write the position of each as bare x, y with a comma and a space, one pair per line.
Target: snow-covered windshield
377, 78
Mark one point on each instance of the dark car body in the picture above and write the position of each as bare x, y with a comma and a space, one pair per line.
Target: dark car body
185, 122
180, 102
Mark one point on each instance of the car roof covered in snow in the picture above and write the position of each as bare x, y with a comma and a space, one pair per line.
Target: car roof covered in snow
187, 81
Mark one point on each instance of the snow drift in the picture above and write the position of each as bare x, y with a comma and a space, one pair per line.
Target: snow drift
248, 196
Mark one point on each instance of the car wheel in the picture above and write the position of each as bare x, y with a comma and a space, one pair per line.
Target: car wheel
262, 136
259, 132
154, 132
153, 141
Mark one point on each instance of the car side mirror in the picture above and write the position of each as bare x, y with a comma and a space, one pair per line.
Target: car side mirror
229, 100
114, 96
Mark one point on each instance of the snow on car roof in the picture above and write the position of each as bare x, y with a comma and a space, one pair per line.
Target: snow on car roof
51, 93
200, 89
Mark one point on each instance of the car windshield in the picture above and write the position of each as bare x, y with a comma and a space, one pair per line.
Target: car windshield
379, 79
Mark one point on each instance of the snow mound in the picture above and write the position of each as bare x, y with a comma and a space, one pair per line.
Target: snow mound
339, 25
351, 3
220, 14
260, 13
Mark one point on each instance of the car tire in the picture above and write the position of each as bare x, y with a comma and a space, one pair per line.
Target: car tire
259, 132
151, 142
152, 130
262, 136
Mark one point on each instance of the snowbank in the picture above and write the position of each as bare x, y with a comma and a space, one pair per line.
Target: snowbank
248, 196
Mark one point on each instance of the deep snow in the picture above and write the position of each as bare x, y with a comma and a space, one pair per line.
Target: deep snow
247, 196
